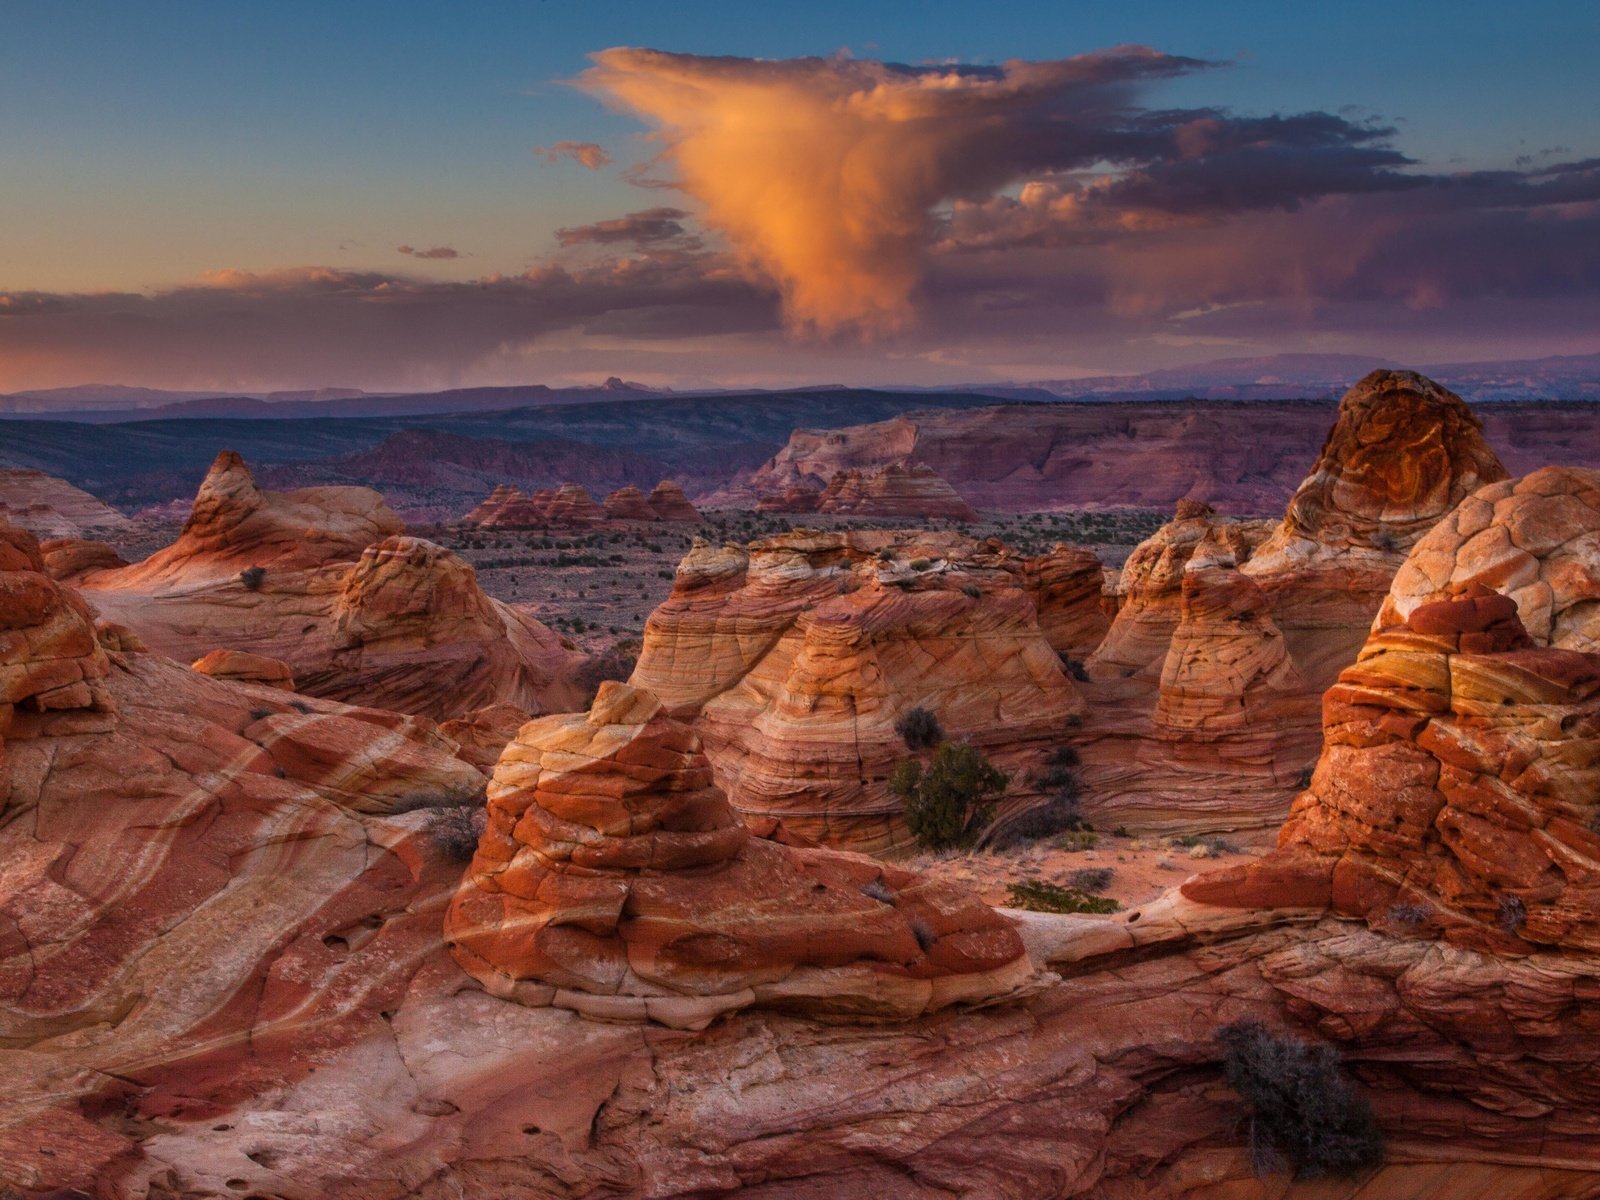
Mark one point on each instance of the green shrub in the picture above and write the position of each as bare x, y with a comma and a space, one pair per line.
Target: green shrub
1036, 896
946, 805
1304, 1114
1078, 839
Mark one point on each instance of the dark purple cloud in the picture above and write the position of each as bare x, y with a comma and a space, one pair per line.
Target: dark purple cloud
435, 252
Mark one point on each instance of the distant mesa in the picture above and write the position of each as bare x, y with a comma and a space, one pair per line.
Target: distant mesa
614, 879
794, 656
570, 506
50, 508
323, 581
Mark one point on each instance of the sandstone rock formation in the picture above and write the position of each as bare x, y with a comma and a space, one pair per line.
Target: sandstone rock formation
234, 525
1537, 539
795, 657
668, 502
571, 506
245, 668
403, 626
1068, 588
628, 504
48, 507
1203, 705
796, 498
893, 493
614, 879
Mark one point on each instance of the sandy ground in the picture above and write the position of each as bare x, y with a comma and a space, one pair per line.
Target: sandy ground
1141, 868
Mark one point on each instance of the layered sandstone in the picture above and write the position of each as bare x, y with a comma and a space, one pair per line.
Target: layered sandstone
234, 525
48, 507
894, 492
628, 504
571, 504
1227, 632
49, 656
669, 503
796, 498
400, 623
796, 655
1068, 586
614, 879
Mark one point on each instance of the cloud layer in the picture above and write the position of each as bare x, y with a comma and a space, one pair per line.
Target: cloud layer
938, 224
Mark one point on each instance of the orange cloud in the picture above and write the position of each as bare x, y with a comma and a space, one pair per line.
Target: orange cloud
824, 173
585, 154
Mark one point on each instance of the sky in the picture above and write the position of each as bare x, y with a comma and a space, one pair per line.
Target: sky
243, 196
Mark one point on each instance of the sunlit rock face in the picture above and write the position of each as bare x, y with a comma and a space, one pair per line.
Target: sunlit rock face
628, 504
795, 656
390, 621
615, 879
1461, 777
1536, 539
1227, 632
234, 525
242, 667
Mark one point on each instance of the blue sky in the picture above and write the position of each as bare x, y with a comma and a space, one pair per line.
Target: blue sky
143, 146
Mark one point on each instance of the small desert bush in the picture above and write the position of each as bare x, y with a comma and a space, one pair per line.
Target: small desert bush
1036, 896
251, 578
1512, 914
919, 729
454, 831
877, 890
1078, 839
1093, 880
949, 803
1304, 1114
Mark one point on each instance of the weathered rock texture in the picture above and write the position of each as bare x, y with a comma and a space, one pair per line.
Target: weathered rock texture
1537, 539
614, 879
1204, 705
48, 507
403, 626
628, 504
795, 656
894, 492
70, 560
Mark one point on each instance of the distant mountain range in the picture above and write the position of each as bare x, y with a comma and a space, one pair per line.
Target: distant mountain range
1272, 377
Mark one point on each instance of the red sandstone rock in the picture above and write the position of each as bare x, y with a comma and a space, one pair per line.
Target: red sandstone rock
1068, 588
795, 499
614, 879
894, 492
70, 560
1204, 713
629, 504
235, 525
669, 503
483, 734
245, 668
1537, 539
796, 656
404, 627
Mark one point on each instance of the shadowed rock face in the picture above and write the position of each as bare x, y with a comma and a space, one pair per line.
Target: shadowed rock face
399, 623
1227, 632
614, 879
571, 505
48, 507
795, 657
